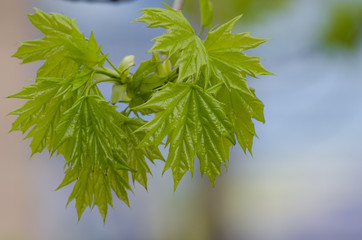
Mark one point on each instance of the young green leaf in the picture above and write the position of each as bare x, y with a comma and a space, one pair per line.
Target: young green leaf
48, 99
146, 79
195, 122
93, 145
84, 52
126, 63
217, 64
225, 56
180, 37
221, 51
207, 13
197, 90
241, 106
118, 91
229, 66
64, 48
54, 23
136, 156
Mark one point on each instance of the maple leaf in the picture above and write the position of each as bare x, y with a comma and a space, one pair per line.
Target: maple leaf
136, 156
229, 67
195, 122
93, 145
48, 99
224, 51
64, 48
68, 115
241, 106
199, 95
220, 52
181, 36
217, 64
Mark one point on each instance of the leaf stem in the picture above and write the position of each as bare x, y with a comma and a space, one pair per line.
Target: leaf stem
125, 111
110, 63
201, 31
110, 80
107, 74
135, 113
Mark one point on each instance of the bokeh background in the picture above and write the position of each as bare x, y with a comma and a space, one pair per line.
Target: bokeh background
304, 179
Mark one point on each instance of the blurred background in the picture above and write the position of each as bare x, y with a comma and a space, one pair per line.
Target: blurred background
304, 179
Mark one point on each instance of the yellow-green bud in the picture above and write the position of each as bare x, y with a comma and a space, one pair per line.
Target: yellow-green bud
117, 93
164, 68
125, 65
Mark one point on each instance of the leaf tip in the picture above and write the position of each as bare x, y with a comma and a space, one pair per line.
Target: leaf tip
237, 18
168, 7
175, 184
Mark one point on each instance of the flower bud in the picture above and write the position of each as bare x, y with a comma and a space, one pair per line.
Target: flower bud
125, 65
117, 93
164, 68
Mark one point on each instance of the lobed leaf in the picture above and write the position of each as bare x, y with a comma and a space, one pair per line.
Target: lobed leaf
217, 65
220, 50
93, 145
43, 111
199, 105
136, 156
195, 123
64, 48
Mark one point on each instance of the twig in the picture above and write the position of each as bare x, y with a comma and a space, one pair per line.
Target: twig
177, 4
